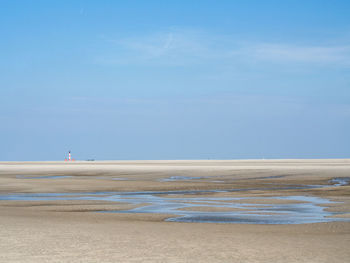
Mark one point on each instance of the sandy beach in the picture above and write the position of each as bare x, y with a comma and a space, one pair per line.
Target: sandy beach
84, 228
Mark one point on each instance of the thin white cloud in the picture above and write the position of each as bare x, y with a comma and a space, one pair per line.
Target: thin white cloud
188, 47
168, 44
304, 54
165, 48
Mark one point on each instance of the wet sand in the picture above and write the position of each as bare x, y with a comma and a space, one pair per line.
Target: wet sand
72, 230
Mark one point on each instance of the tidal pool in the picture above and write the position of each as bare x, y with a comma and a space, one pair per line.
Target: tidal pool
274, 210
181, 178
340, 181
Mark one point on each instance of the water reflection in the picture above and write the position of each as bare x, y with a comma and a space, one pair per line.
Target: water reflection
211, 209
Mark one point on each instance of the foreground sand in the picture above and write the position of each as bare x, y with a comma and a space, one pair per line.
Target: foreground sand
70, 231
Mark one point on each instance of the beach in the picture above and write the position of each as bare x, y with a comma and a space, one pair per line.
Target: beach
126, 211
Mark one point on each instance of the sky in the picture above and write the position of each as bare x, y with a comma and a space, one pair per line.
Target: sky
200, 79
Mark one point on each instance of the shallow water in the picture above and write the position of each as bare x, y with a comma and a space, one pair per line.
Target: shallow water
298, 209
181, 178
340, 181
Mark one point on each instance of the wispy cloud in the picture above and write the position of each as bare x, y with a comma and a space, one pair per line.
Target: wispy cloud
183, 47
172, 48
306, 54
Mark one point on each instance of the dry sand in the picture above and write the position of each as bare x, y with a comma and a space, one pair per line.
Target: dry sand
71, 231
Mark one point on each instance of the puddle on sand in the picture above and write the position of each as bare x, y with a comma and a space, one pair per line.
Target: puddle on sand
181, 178
307, 211
340, 181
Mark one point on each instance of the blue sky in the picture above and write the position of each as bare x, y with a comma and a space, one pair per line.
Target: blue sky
174, 79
